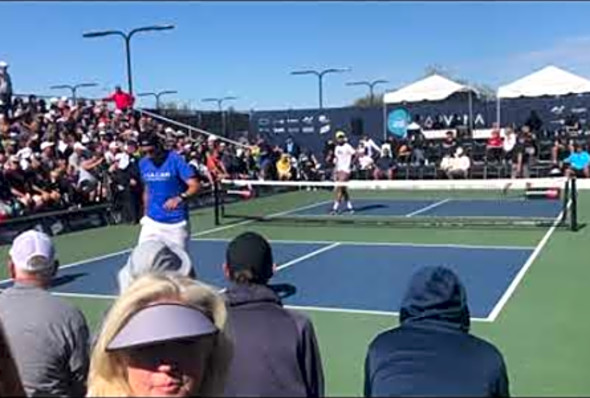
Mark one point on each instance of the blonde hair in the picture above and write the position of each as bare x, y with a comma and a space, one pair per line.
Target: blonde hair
108, 377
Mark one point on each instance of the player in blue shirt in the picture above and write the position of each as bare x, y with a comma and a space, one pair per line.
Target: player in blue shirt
169, 182
579, 162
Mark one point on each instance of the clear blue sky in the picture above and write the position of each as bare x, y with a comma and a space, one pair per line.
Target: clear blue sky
247, 49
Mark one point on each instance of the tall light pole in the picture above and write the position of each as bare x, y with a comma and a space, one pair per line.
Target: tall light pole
127, 37
370, 84
73, 88
320, 75
220, 101
157, 95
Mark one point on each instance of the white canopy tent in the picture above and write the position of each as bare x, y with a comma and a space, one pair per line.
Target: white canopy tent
550, 80
432, 88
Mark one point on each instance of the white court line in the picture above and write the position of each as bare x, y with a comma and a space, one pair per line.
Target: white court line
308, 255
361, 312
426, 208
294, 307
395, 244
282, 213
514, 284
83, 262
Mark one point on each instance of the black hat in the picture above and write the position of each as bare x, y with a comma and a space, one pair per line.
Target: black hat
148, 140
250, 251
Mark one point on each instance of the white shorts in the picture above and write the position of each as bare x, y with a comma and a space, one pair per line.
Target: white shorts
178, 233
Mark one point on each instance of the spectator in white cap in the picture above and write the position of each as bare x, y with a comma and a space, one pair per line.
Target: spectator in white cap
164, 336
49, 337
5, 89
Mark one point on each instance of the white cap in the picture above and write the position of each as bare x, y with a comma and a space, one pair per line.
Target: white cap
85, 139
78, 145
46, 144
101, 124
25, 153
212, 138
123, 160
30, 244
3, 64
114, 145
180, 133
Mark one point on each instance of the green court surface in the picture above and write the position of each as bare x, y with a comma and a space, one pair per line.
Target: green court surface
543, 329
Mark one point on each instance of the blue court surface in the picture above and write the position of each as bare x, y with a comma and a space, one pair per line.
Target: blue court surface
334, 276
478, 208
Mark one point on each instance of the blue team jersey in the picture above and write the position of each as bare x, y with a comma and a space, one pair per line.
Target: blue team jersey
578, 160
163, 183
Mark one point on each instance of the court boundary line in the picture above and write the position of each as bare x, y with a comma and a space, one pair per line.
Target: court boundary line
246, 222
395, 244
501, 303
308, 256
293, 307
429, 207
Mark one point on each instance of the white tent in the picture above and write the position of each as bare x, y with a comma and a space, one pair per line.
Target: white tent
550, 80
432, 88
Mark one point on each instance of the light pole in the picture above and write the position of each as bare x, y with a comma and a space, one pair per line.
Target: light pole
320, 75
157, 95
370, 84
220, 108
73, 88
127, 37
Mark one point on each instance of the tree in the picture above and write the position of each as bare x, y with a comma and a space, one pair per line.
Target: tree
365, 102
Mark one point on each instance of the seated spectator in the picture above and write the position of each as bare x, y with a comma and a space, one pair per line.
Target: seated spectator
449, 144
560, 151
366, 166
404, 152
523, 154
457, 165
154, 256
291, 148
49, 336
494, 146
578, 162
275, 351
309, 167
372, 148
385, 165
284, 169
509, 142
164, 336
432, 352
10, 383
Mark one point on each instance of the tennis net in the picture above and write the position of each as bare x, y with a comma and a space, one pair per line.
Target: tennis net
502, 202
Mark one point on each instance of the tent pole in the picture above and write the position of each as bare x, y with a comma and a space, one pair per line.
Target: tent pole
498, 111
384, 121
470, 114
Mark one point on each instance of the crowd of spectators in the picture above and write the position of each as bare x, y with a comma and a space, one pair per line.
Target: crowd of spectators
60, 154
168, 334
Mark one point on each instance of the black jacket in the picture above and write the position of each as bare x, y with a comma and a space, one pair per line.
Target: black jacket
432, 353
275, 349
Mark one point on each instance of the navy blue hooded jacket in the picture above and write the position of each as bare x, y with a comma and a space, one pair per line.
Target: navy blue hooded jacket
275, 349
432, 353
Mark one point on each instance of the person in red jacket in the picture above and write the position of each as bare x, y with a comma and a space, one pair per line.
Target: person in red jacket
123, 100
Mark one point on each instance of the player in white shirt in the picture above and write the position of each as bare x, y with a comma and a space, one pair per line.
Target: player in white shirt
344, 155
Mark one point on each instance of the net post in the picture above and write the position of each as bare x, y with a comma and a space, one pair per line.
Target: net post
574, 205
566, 199
216, 202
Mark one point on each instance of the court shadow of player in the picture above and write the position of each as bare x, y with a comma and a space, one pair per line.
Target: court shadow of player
65, 279
369, 207
283, 290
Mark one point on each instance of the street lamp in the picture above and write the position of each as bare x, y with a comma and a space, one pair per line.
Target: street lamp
370, 84
158, 95
127, 38
73, 88
219, 107
320, 75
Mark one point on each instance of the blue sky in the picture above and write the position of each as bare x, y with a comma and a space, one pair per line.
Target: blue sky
247, 49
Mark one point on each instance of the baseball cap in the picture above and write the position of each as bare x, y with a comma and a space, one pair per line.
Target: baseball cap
154, 256
148, 140
46, 144
161, 322
251, 251
30, 244
3, 64
340, 134
78, 145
